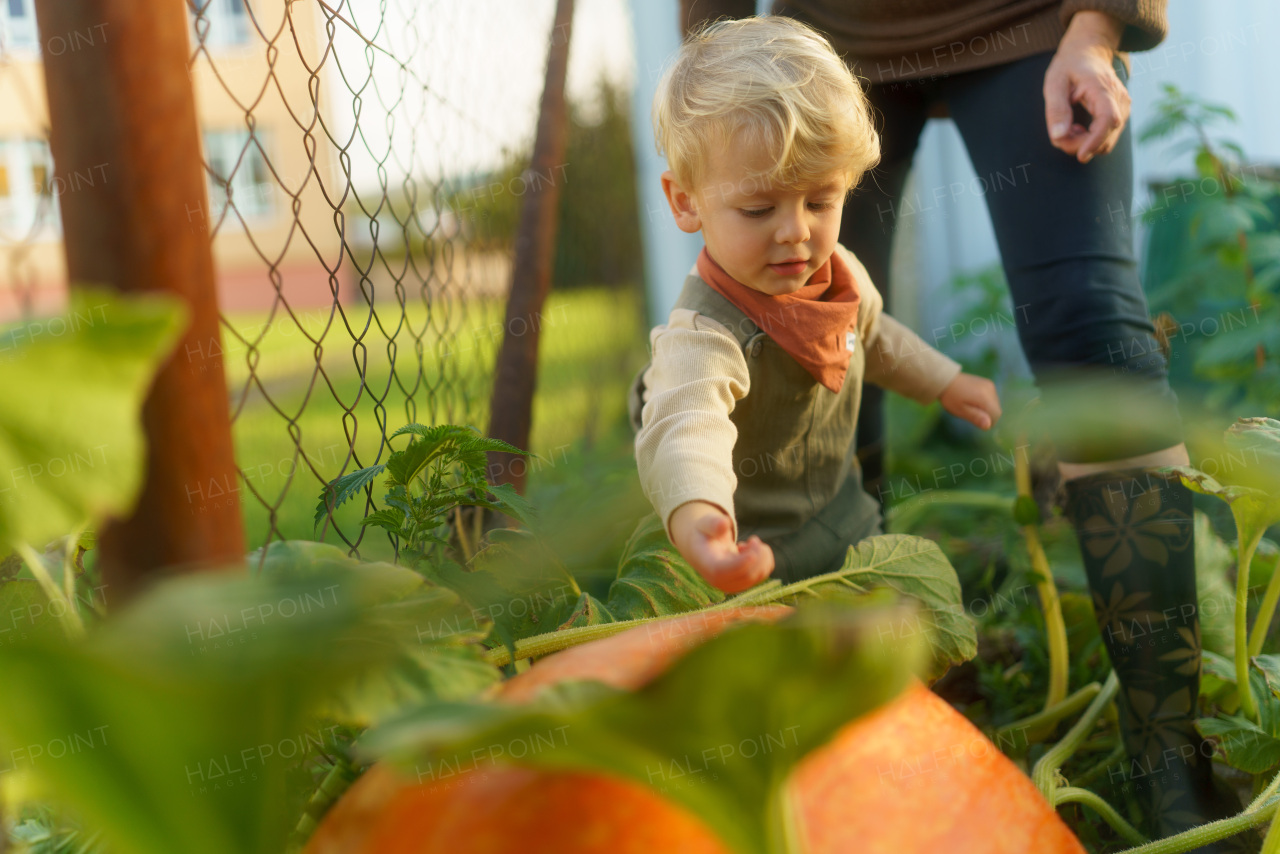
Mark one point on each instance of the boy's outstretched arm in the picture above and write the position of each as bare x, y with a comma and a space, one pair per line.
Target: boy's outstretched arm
972, 398
703, 534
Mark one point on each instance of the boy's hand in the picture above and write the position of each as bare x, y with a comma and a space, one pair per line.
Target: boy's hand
972, 398
703, 535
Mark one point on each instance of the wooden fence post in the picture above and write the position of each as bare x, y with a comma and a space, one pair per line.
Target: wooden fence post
516, 373
121, 107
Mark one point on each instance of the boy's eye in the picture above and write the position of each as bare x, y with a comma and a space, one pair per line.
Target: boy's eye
755, 213
821, 206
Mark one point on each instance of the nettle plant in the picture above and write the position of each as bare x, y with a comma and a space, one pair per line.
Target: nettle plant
439, 472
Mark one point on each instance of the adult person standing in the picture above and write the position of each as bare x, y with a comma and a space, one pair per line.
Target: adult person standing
1038, 87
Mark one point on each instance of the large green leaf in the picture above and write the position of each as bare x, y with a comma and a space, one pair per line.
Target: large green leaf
1254, 509
71, 440
745, 707
654, 581
178, 724
433, 636
914, 567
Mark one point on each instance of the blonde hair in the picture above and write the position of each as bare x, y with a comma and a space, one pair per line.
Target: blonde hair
778, 82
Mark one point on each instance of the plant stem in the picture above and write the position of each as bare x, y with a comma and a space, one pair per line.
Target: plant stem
1055, 627
1271, 845
1046, 718
1045, 772
783, 829
1262, 622
1247, 705
550, 642
554, 641
1095, 771
1076, 795
70, 617
1207, 833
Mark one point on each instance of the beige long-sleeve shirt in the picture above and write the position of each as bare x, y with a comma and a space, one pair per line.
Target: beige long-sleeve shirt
698, 373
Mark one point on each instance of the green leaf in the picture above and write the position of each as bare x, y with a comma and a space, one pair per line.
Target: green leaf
437, 658
1248, 746
654, 580
1026, 511
192, 708
468, 436
74, 387
404, 466
1218, 666
391, 519
1244, 744
587, 611
524, 591
1254, 510
336, 492
789, 686
432, 637
1269, 667
507, 500
914, 567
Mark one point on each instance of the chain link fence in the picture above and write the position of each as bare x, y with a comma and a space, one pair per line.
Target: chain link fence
364, 161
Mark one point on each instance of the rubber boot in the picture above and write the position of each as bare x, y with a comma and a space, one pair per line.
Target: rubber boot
1136, 533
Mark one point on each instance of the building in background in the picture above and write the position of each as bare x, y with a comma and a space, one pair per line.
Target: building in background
268, 161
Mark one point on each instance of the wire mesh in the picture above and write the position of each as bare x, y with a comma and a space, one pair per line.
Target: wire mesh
351, 148
364, 160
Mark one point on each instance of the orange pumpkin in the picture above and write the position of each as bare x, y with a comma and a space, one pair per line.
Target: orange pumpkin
913, 776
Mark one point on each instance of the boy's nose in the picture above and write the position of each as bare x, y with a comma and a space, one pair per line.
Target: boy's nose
793, 229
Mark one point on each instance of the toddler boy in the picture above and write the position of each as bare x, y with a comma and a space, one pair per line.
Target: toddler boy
746, 413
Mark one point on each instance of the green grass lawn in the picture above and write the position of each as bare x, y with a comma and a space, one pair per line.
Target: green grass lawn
317, 420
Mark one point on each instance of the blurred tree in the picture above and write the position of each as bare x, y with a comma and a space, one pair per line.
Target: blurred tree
598, 239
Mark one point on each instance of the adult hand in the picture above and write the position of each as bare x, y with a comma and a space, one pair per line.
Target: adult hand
1081, 73
703, 534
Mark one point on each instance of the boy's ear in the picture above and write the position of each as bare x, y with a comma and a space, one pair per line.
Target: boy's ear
682, 207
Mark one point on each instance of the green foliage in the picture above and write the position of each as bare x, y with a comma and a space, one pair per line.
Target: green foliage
1213, 261
185, 704
912, 567
598, 235
800, 681
435, 653
654, 581
73, 403
1252, 747
440, 470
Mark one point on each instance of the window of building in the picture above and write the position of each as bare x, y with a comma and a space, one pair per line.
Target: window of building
28, 203
218, 23
17, 25
235, 164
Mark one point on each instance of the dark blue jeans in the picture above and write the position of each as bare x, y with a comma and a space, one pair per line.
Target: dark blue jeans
1064, 231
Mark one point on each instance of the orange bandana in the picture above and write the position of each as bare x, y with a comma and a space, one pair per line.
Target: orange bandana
816, 325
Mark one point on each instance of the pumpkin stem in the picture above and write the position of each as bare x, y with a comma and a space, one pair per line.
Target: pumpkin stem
1248, 707
1074, 794
1042, 722
1055, 626
1045, 773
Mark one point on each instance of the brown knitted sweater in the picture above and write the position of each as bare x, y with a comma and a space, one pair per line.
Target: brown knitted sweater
888, 40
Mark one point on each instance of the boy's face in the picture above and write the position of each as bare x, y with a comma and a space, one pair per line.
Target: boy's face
770, 238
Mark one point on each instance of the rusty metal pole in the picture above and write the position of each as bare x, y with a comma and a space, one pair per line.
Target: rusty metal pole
121, 107
516, 373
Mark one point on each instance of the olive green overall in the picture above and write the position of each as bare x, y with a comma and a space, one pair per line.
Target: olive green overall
799, 483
